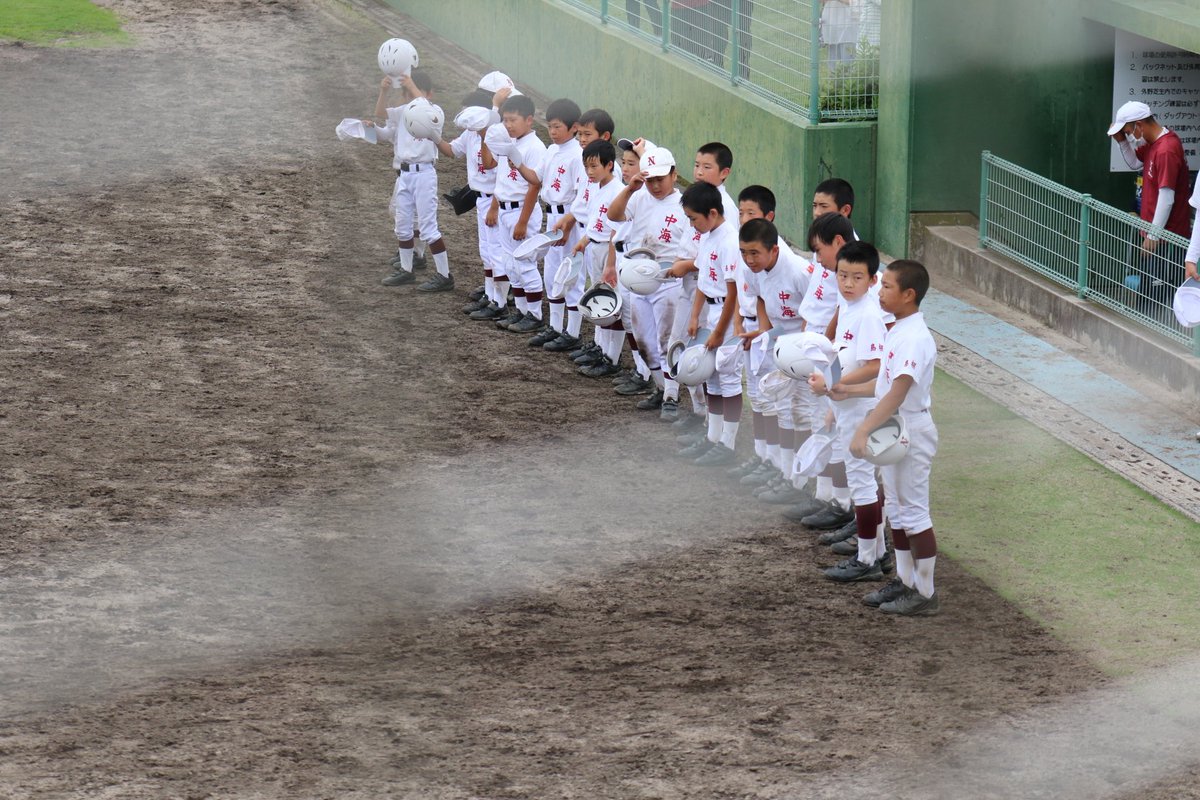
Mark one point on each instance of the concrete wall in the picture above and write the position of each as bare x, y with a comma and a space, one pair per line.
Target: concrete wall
563, 52
953, 255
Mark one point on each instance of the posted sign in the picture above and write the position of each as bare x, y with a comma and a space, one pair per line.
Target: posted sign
1165, 78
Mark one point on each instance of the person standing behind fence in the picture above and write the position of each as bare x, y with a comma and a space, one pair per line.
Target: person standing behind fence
839, 31
694, 28
633, 13
1157, 151
724, 24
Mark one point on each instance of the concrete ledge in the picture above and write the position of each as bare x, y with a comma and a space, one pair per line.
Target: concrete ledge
953, 254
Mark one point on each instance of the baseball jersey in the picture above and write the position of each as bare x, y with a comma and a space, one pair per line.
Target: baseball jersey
405, 147
781, 289
1165, 167
821, 299
511, 186
747, 295
598, 225
560, 171
860, 332
909, 349
659, 225
728, 208
469, 146
716, 261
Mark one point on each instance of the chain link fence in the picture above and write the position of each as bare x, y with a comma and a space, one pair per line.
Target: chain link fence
1092, 248
816, 58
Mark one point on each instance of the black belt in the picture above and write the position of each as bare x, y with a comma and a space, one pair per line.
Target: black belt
750, 319
596, 241
483, 194
619, 246
413, 167
580, 224
712, 301
507, 206
553, 209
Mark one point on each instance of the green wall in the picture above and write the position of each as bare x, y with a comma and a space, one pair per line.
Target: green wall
562, 52
1027, 79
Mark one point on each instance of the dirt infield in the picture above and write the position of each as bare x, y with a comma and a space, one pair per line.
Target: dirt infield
246, 546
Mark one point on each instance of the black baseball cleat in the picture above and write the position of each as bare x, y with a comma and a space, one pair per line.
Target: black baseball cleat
912, 604
782, 496
745, 468
832, 516
803, 509
437, 283
562, 344
398, 278
547, 335
846, 547
581, 350
886, 593
513, 317
528, 324
601, 369
419, 262
689, 439
842, 534
888, 562
624, 376
651, 403
760, 476
476, 293
476, 305
716, 456
854, 570
634, 386
696, 450
669, 411
687, 421
591, 358
489, 312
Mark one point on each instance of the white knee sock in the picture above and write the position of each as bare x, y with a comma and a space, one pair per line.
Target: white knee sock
670, 389
441, 261
866, 551
841, 496
419, 247
574, 322
500, 287
714, 428
923, 582
659, 380
612, 348
520, 302
824, 489
639, 363
557, 309
729, 434
406, 258
904, 567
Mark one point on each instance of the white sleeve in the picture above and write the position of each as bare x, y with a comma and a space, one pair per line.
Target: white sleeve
459, 146
1127, 152
1162, 211
1193, 253
388, 132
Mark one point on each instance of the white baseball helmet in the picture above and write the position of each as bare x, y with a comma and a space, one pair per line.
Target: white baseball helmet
495, 81
397, 57
888, 443
601, 305
799, 354
639, 273
423, 119
696, 365
674, 351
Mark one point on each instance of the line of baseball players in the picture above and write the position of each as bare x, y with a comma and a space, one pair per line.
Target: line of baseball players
829, 350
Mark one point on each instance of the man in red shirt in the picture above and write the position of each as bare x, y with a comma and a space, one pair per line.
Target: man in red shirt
1150, 147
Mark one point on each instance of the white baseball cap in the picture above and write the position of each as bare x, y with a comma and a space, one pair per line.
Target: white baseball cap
1132, 111
656, 162
1187, 304
495, 81
627, 144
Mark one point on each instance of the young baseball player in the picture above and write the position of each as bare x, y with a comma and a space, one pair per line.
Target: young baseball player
859, 337
599, 159
639, 380
469, 146
904, 387
516, 211
778, 278
560, 174
713, 308
594, 124
415, 193
652, 212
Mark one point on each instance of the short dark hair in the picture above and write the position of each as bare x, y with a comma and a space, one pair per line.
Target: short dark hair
564, 110
911, 275
828, 227
480, 98
762, 231
601, 149
761, 196
422, 80
702, 198
720, 152
839, 189
518, 104
599, 119
860, 253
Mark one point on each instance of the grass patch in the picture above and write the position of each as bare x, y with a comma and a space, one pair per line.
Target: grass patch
1111, 570
66, 22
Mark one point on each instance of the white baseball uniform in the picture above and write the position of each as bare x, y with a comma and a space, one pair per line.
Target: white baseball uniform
781, 288
560, 171
511, 188
415, 190
469, 146
909, 349
598, 228
861, 331
716, 261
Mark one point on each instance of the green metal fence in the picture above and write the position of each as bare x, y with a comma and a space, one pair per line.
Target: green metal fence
1090, 247
817, 59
